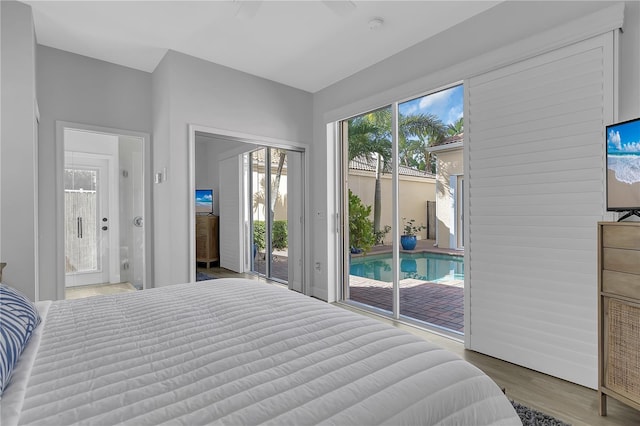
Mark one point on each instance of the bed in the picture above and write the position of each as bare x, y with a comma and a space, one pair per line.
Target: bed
237, 352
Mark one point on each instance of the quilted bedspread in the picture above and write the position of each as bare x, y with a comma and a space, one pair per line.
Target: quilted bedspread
239, 352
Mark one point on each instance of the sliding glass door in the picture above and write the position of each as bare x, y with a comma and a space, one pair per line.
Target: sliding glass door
393, 262
368, 202
276, 200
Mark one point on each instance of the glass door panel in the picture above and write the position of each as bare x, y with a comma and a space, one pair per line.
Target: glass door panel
258, 215
81, 209
275, 225
368, 207
421, 285
277, 214
430, 288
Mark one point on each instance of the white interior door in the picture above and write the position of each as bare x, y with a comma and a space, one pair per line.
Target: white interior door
295, 222
86, 206
231, 247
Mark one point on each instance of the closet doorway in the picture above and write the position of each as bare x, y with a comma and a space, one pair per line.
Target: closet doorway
260, 186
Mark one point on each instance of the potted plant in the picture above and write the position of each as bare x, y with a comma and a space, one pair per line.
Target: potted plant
408, 239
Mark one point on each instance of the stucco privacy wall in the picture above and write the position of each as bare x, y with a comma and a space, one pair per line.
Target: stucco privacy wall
414, 194
82, 90
187, 91
18, 229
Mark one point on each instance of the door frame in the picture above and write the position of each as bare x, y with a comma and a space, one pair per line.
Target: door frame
264, 141
59, 199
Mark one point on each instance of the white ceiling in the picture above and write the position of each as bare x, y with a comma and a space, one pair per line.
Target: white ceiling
305, 44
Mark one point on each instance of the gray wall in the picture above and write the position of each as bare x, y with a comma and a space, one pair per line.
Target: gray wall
187, 91
83, 90
18, 175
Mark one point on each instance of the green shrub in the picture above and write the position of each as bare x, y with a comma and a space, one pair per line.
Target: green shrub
279, 234
259, 231
280, 237
361, 235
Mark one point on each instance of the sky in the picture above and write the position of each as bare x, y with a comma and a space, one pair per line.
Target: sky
624, 138
446, 105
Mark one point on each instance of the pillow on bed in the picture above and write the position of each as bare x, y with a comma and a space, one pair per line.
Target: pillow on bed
18, 318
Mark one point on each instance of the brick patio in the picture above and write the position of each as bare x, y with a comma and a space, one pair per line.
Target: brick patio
440, 304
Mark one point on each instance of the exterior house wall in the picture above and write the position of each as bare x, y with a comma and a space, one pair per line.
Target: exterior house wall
449, 163
414, 194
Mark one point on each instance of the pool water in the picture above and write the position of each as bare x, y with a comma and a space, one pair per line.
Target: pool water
433, 267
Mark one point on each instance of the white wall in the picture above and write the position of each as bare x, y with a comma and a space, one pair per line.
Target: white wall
19, 176
187, 91
82, 90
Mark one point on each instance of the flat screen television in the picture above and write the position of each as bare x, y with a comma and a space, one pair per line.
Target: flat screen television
623, 167
204, 201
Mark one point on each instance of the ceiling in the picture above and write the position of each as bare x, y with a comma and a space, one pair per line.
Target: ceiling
304, 44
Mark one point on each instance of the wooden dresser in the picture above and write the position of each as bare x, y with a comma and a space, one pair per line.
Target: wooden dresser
619, 313
207, 239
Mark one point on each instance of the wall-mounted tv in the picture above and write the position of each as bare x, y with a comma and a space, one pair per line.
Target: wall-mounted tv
623, 167
204, 201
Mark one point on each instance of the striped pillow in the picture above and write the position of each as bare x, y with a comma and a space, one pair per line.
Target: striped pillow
18, 318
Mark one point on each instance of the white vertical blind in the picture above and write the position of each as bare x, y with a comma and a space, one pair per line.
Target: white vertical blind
535, 182
231, 214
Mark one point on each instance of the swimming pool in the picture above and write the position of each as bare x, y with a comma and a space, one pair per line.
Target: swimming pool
433, 267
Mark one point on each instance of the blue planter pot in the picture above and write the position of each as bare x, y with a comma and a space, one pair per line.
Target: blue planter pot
408, 242
408, 266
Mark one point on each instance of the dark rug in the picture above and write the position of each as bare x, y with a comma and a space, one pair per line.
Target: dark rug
531, 417
201, 276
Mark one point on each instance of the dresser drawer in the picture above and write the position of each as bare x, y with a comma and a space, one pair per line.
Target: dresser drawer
621, 284
619, 236
621, 260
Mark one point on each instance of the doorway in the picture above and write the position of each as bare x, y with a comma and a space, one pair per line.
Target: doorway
260, 185
104, 200
86, 202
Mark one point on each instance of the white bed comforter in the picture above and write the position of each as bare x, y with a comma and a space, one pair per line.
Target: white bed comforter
238, 352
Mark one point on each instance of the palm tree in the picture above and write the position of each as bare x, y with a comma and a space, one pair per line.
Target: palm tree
370, 138
456, 128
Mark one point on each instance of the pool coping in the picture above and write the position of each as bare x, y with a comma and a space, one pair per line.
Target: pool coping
422, 246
